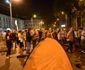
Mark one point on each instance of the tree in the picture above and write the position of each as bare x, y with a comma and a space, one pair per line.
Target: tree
68, 6
81, 11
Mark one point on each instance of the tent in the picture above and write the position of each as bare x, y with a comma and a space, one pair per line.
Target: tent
48, 55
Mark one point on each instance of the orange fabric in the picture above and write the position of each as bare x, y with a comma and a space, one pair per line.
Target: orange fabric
48, 55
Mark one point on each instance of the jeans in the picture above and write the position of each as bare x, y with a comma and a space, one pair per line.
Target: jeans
28, 47
34, 43
70, 46
9, 45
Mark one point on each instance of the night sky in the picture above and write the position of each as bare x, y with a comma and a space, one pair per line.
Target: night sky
43, 9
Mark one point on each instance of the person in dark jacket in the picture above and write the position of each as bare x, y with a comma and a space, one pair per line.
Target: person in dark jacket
40, 35
28, 41
34, 37
8, 43
13, 35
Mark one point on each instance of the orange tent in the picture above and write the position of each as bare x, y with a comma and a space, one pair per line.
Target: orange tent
48, 55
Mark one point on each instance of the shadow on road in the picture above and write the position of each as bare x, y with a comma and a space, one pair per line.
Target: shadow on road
20, 57
6, 66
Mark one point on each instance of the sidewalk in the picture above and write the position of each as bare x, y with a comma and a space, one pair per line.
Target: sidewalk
10, 64
15, 62
77, 60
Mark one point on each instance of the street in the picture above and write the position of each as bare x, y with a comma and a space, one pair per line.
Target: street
16, 62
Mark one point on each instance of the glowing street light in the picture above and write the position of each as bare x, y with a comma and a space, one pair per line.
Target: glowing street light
34, 15
62, 12
63, 25
57, 19
17, 0
81, 0
7, 1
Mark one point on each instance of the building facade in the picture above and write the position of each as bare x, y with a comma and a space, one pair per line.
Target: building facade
33, 24
5, 22
19, 24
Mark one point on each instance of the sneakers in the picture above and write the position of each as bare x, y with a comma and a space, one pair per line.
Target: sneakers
7, 57
24, 52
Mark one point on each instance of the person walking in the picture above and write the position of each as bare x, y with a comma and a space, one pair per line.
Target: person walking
70, 39
40, 35
34, 37
13, 35
83, 40
8, 44
28, 41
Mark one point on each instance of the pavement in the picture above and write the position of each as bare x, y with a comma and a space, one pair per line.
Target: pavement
16, 62
77, 59
10, 64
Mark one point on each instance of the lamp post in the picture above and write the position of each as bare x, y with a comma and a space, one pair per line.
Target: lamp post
57, 22
40, 24
34, 16
32, 22
11, 14
10, 5
65, 17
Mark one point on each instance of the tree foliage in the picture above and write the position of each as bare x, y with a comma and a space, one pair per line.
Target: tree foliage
64, 5
73, 8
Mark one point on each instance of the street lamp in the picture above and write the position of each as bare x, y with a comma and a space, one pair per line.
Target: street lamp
34, 16
17, 0
62, 12
7, 1
10, 5
57, 19
81, 0
65, 17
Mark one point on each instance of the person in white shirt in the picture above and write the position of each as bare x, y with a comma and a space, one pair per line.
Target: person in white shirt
70, 39
83, 40
4, 35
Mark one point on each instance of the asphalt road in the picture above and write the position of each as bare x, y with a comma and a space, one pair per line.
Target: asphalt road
15, 62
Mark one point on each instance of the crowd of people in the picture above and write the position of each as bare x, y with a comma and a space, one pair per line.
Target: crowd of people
31, 37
